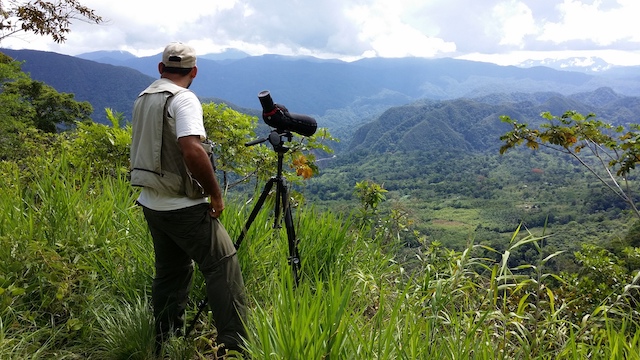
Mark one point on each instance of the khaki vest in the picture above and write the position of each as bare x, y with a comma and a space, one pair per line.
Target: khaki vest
156, 159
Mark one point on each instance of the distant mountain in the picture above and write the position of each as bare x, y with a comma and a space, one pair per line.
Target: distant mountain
228, 54
474, 125
630, 73
579, 64
341, 95
314, 86
590, 65
107, 57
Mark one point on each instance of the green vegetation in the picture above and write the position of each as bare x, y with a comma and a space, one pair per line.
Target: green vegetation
421, 255
455, 197
616, 150
78, 265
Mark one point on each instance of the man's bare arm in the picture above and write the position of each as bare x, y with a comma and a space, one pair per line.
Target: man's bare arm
198, 163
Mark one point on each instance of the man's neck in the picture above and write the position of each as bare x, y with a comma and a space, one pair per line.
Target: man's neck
182, 81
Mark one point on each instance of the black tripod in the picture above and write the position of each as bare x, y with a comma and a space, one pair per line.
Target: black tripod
282, 206
282, 202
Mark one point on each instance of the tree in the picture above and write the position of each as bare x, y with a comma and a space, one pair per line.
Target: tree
10, 109
231, 130
27, 106
371, 195
44, 18
42, 106
611, 152
9, 69
103, 149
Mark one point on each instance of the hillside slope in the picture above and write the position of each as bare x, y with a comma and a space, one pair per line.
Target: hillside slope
102, 85
474, 124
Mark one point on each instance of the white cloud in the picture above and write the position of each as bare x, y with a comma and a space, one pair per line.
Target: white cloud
382, 27
593, 22
349, 29
516, 21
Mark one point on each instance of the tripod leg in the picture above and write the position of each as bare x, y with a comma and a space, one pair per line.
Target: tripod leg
294, 256
254, 212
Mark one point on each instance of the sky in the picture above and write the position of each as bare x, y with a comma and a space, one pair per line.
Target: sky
505, 32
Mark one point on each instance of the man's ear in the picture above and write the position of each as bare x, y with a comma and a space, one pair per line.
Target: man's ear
194, 72
160, 67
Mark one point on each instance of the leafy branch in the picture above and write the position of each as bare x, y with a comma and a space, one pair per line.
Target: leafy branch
616, 150
44, 18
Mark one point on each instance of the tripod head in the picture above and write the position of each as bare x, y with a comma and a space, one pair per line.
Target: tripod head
276, 139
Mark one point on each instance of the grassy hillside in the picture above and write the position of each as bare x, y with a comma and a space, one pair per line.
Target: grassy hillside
78, 264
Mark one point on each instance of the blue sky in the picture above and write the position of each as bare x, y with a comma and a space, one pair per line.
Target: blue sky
506, 32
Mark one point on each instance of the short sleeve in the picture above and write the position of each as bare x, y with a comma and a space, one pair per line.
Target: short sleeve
186, 109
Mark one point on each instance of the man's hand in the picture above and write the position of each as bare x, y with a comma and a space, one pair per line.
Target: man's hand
199, 164
216, 208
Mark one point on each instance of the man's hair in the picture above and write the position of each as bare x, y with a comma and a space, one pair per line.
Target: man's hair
175, 70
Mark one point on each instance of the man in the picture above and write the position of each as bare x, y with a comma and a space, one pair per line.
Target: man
171, 164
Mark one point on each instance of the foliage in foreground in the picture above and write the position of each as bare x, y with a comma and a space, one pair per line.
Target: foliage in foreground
44, 18
606, 151
75, 284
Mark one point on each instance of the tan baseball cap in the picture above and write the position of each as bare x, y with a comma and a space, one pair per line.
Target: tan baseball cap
179, 55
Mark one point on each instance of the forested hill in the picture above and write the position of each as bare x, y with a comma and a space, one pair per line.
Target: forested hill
474, 124
102, 85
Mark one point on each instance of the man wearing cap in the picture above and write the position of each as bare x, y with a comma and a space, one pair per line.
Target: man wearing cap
173, 167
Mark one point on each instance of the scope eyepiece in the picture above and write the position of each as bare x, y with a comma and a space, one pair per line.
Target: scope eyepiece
279, 117
266, 101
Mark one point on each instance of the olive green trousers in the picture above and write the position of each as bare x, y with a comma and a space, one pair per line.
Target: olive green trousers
180, 238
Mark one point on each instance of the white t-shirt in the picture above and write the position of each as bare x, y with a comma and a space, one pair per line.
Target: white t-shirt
187, 110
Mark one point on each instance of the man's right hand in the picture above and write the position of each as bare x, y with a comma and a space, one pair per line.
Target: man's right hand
216, 208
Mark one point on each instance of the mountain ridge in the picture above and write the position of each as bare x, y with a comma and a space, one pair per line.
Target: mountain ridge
474, 125
341, 95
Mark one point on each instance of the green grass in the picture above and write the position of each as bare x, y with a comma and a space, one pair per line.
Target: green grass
78, 263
